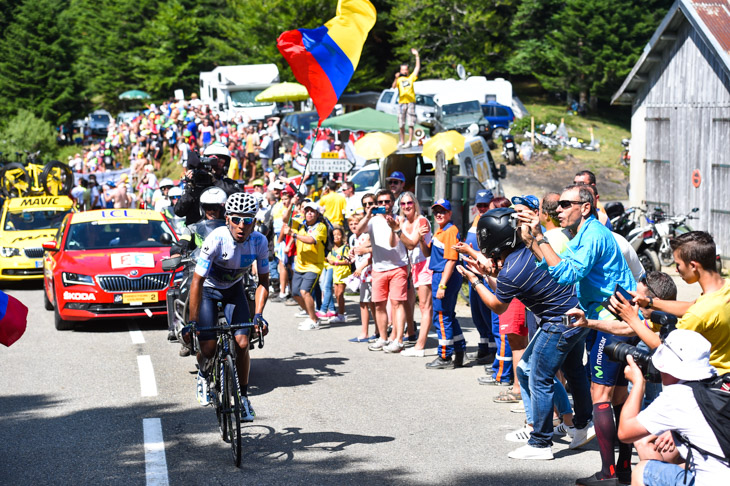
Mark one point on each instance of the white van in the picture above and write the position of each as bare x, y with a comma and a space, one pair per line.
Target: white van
425, 106
231, 90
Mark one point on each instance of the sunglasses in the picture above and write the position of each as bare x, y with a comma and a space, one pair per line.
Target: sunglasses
246, 220
646, 282
439, 211
383, 203
406, 203
395, 183
565, 204
368, 204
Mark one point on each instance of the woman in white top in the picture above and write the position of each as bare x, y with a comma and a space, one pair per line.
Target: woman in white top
415, 233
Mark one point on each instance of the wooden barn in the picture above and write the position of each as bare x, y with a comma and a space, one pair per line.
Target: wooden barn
679, 91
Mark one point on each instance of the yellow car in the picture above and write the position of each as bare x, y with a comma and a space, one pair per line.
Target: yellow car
27, 223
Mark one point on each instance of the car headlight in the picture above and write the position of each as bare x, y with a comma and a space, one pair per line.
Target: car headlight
6, 251
76, 279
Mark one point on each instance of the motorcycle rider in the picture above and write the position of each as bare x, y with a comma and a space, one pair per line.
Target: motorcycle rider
203, 173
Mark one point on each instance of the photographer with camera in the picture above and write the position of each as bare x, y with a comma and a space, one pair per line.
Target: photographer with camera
512, 272
684, 362
203, 172
709, 315
593, 261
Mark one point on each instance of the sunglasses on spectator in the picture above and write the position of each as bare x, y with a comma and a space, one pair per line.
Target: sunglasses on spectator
406, 203
439, 211
395, 182
368, 204
383, 203
565, 204
646, 282
246, 220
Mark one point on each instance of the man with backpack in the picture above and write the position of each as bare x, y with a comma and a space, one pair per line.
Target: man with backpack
694, 406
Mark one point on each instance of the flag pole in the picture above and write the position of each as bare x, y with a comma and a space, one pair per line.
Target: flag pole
306, 165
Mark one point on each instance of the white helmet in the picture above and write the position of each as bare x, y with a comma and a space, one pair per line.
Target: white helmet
213, 195
242, 203
166, 183
175, 191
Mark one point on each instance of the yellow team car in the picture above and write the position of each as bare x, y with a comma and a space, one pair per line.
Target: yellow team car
27, 223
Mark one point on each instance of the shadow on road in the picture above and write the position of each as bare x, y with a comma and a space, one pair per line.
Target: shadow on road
298, 369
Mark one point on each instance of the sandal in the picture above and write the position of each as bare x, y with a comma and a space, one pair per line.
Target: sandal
508, 390
507, 398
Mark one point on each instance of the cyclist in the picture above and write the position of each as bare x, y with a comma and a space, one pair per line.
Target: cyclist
226, 254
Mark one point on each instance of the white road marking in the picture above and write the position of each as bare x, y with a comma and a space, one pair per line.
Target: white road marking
146, 376
136, 334
154, 453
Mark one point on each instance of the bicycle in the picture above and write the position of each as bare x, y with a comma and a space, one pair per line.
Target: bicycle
35, 179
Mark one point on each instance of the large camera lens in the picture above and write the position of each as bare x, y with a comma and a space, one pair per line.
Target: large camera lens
617, 351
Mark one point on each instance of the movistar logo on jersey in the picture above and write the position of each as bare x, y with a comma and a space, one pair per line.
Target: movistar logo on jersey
598, 371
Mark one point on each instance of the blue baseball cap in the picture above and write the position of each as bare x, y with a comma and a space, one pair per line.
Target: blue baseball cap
397, 176
530, 201
484, 197
442, 203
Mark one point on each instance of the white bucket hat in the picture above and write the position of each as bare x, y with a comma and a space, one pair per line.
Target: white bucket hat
685, 355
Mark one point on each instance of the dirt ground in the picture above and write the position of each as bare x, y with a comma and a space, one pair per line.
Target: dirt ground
543, 173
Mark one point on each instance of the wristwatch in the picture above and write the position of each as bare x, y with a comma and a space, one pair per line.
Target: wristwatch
294, 235
651, 303
398, 232
543, 241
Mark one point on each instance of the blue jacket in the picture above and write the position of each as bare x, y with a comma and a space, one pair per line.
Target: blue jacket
593, 261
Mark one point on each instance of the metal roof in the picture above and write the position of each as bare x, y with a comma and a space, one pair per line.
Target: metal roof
711, 18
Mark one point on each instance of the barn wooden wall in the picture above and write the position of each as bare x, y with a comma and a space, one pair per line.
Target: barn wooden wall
687, 128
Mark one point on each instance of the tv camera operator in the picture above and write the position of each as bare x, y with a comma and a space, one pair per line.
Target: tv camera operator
203, 172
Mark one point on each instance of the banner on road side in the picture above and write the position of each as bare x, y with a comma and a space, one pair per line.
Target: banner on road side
329, 165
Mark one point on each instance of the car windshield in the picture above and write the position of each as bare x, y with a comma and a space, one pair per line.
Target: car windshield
246, 98
305, 121
99, 235
365, 179
460, 108
23, 220
100, 118
425, 100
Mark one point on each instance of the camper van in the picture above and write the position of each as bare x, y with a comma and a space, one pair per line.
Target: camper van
231, 90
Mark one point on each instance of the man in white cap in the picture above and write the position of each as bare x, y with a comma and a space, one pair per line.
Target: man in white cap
683, 357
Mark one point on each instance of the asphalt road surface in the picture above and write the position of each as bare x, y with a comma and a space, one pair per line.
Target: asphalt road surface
112, 403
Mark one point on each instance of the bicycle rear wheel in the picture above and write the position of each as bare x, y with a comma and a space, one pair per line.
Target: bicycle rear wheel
14, 180
231, 402
57, 178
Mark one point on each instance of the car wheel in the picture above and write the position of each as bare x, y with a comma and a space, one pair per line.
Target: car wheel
46, 301
497, 133
61, 324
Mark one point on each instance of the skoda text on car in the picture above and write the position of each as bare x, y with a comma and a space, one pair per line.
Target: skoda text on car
27, 223
107, 264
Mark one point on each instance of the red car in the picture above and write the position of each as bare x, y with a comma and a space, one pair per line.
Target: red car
106, 264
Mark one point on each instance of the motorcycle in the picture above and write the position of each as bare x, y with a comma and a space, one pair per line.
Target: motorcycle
509, 148
626, 222
669, 227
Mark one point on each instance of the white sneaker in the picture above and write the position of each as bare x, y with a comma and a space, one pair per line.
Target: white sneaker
338, 319
414, 353
532, 453
247, 413
563, 429
583, 436
519, 435
302, 313
414, 144
393, 347
309, 325
378, 345
201, 391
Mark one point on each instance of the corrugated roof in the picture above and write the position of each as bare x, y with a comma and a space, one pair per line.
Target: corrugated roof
711, 18
715, 14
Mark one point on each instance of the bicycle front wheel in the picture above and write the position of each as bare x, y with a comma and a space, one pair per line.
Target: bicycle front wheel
57, 178
14, 180
232, 409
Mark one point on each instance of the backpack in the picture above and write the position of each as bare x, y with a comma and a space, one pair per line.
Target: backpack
713, 397
329, 242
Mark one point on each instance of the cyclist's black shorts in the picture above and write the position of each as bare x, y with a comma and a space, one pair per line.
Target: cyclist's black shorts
235, 307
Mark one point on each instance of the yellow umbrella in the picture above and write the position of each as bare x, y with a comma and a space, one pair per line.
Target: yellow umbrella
450, 142
376, 145
283, 92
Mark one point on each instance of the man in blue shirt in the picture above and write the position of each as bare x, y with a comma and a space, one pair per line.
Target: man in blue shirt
594, 262
556, 346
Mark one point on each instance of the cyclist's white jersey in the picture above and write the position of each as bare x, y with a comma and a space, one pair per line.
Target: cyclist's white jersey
223, 261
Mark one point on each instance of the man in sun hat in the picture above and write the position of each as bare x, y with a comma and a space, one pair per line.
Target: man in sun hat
683, 357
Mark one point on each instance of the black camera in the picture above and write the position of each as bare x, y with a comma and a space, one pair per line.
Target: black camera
668, 323
202, 168
618, 351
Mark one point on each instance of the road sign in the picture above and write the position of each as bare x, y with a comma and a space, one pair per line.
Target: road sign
329, 165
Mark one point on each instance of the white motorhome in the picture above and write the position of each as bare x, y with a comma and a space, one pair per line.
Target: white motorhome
473, 87
231, 90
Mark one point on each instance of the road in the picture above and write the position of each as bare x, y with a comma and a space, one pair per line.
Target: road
112, 403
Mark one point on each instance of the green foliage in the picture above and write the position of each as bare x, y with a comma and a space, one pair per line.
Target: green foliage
62, 58
24, 132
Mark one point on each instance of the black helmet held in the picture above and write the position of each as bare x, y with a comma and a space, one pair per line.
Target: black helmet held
495, 232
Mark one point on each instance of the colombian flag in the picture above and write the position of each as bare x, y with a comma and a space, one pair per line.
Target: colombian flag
13, 317
324, 59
